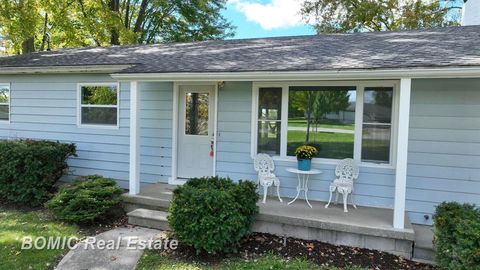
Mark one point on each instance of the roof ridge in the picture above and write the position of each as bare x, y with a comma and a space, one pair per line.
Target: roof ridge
126, 46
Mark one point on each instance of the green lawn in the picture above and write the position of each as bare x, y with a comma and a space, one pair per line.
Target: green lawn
14, 225
153, 261
323, 124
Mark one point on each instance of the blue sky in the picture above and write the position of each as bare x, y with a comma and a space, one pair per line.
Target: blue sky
266, 18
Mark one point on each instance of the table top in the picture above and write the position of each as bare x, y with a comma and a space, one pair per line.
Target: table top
295, 170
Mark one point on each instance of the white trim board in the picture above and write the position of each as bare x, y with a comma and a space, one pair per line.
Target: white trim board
63, 69
358, 74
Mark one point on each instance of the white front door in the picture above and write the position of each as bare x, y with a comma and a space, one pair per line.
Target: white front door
195, 143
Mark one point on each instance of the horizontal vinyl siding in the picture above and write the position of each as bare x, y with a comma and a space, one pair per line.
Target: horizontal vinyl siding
444, 145
45, 107
375, 187
156, 106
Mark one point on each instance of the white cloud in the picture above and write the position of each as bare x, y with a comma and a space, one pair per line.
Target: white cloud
273, 15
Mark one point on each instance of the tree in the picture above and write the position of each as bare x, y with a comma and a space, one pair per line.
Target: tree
315, 104
337, 16
75, 23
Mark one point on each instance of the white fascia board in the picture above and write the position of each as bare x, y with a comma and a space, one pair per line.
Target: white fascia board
447, 72
63, 69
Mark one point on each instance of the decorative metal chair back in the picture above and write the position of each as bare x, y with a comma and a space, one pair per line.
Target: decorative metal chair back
347, 171
263, 164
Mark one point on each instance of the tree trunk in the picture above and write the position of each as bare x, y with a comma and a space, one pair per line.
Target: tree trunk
115, 8
28, 45
44, 39
141, 16
307, 135
127, 14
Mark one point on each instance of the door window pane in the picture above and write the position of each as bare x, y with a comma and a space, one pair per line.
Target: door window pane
269, 120
324, 117
196, 114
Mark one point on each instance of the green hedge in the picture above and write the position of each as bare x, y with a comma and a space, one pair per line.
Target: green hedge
88, 199
29, 169
457, 236
213, 214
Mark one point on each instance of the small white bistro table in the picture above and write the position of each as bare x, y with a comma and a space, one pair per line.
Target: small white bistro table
303, 177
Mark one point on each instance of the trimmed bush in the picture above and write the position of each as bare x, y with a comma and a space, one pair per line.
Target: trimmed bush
29, 169
88, 199
457, 236
212, 214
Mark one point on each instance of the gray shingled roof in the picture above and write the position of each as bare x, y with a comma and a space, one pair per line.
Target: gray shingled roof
441, 47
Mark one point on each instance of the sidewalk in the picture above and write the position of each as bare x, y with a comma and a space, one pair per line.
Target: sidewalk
85, 257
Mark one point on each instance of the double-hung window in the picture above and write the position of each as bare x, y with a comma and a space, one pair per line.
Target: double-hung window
341, 119
377, 124
4, 102
98, 104
269, 120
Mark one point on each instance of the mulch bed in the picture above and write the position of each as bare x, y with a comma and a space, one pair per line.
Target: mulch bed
323, 254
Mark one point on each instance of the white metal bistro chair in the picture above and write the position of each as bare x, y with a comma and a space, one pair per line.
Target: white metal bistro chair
347, 172
264, 165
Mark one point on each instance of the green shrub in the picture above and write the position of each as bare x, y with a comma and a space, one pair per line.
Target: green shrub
212, 214
457, 236
88, 199
29, 169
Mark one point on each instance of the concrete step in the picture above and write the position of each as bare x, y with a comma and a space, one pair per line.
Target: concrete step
133, 202
423, 248
422, 254
149, 218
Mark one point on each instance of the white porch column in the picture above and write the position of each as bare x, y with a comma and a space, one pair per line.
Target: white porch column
134, 171
402, 152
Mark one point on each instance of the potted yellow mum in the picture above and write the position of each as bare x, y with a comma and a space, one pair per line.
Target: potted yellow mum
304, 154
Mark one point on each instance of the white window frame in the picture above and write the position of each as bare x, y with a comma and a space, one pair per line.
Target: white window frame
9, 103
360, 87
80, 105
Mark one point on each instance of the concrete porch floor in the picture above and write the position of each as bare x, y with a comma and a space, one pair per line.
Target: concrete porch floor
364, 227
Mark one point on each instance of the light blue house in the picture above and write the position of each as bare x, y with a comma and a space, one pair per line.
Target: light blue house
163, 113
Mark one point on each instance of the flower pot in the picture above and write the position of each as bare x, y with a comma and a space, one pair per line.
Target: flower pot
304, 164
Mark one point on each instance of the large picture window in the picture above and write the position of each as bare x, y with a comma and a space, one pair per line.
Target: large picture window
342, 120
324, 117
4, 102
99, 104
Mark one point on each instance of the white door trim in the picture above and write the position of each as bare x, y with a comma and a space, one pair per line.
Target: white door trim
173, 180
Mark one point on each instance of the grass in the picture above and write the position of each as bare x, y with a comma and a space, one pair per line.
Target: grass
323, 124
153, 261
14, 225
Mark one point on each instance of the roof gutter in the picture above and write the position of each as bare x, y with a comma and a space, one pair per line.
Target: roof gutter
447, 72
63, 69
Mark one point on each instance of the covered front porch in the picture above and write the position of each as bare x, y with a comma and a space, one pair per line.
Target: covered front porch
365, 227
231, 153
